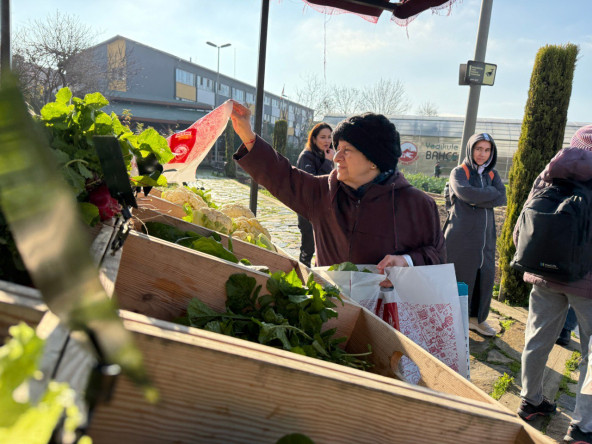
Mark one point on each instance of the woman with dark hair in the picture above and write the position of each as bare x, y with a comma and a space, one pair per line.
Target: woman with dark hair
475, 190
317, 159
364, 211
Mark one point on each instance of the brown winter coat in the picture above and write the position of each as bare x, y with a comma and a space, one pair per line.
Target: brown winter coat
390, 218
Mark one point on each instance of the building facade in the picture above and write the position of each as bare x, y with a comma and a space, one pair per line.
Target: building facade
169, 93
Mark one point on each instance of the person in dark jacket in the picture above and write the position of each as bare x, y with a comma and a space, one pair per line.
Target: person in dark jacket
365, 211
549, 303
317, 159
475, 189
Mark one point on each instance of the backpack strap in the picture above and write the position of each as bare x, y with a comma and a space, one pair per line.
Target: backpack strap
466, 168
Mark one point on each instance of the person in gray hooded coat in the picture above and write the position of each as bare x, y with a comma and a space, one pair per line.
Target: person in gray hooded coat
475, 189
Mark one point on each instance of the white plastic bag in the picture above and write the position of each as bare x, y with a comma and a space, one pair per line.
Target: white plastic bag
429, 311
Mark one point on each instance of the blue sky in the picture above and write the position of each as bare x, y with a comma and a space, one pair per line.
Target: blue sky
353, 52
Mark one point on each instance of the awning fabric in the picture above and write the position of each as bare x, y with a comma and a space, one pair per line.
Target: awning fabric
404, 12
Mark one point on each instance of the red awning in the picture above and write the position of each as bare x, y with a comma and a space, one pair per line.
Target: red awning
403, 12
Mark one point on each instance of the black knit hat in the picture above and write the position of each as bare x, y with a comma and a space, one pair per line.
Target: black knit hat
374, 136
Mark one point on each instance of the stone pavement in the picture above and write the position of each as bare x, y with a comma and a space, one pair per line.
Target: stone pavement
495, 362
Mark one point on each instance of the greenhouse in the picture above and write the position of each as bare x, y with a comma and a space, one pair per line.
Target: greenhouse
427, 140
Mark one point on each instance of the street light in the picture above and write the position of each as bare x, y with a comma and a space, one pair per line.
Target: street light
216, 86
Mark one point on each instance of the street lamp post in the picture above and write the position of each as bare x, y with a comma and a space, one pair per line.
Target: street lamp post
216, 86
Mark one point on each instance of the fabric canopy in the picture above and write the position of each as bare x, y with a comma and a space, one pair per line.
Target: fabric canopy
403, 12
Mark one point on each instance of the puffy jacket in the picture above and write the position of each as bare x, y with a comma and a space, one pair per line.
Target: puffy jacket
569, 163
314, 163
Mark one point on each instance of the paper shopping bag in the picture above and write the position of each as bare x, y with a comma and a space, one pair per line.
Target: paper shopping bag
429, 311
191, 145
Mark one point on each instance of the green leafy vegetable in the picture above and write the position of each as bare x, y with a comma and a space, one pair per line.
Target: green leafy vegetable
208, 245
290, 317
347, 266
21, 421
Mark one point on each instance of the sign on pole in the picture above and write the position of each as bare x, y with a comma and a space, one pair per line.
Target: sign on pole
477, 73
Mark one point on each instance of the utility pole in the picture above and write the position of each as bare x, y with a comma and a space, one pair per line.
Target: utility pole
475, 90
217, 86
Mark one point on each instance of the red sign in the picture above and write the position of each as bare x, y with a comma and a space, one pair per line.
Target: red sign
408, 153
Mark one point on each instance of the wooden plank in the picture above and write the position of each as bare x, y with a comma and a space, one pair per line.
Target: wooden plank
256, 255
158, 278
219, 389
19, 303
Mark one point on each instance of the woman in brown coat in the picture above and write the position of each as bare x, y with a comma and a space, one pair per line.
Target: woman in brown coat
364, 211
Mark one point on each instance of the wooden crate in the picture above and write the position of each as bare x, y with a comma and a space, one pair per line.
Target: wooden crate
158, 279
218, 389
256, 255
155, 203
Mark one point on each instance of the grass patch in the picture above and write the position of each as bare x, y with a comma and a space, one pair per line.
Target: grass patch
506, 324
573, 362
501, 386
515, 367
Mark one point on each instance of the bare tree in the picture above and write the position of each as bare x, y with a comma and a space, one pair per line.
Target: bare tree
345, 100
50, 54
314, 94
385, 97
428, 109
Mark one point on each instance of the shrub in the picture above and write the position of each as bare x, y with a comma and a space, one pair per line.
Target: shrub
280, 136
542, 134
427, 183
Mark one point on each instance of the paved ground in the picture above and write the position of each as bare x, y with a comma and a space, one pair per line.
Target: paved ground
493, 360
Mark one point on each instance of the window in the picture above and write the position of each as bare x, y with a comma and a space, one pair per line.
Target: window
250, 98
238, 94
185, 77
267, 100
205, 83
224, 90
275, 103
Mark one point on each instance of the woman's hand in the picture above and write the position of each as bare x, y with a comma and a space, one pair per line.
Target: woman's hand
330, 153
241, 122
390, 260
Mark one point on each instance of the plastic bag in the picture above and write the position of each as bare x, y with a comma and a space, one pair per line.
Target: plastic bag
191, 145
587, 384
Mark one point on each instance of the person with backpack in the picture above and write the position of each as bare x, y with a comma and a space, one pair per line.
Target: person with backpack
552, 294
474, 189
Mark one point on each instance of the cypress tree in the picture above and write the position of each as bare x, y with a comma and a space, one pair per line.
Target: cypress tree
541, 137
230, 167
280, 136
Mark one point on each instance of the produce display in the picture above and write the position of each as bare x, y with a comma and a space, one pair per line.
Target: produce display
290, 317
233, 219
210, 245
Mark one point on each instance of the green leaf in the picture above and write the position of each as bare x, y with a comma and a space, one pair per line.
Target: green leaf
64, 95
152, 142
344, 266
55, 112
199, 314
210, 246
95, 100
148, 181
61, 157
239, 288
84, 171
103, 124
90, 213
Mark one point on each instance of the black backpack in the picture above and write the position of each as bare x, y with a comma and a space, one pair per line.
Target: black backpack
555, 232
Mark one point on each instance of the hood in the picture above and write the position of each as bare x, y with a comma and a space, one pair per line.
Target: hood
490, 164
569, 163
